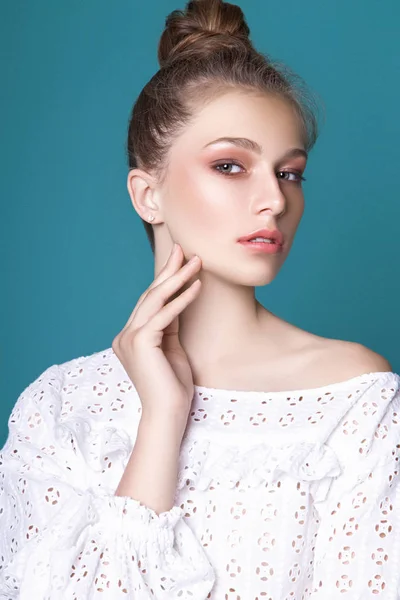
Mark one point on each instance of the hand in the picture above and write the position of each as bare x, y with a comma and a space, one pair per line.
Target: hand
148, 346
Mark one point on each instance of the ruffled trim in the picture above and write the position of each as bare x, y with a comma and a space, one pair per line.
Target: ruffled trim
93, 444
131, 510
205, 463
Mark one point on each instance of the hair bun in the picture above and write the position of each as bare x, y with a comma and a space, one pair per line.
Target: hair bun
204, 26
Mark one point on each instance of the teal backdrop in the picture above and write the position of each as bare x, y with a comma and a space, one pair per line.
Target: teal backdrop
75, 257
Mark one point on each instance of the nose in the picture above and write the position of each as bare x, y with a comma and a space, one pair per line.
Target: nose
268, 196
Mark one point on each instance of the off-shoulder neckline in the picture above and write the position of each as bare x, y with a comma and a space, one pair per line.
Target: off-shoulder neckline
200, 389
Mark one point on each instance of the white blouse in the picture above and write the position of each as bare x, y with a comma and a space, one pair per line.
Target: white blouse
281, 495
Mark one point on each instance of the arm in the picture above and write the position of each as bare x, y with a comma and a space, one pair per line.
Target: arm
152, 471
64, 539
357, 549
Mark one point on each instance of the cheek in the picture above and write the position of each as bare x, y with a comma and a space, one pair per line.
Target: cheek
297, 206
197, 201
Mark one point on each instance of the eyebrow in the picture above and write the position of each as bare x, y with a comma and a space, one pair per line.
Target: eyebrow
255, 146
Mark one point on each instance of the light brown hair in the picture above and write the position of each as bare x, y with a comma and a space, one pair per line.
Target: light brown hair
204, 51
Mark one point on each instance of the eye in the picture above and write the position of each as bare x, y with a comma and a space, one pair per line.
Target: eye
224, 167
297, 176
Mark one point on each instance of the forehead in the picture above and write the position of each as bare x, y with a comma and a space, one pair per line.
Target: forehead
268, 119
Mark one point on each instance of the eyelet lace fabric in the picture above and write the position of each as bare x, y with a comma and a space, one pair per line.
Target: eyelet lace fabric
280, 496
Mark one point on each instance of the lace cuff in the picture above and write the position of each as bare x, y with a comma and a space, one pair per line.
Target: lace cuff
101, 543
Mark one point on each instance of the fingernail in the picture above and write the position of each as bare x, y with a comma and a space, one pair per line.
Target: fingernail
193, 259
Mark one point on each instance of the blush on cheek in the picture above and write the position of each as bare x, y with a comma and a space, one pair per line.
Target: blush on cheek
201, 203
187, 215
195, 195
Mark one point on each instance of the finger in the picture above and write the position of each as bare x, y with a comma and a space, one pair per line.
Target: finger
154, 328
161, 294
173, 263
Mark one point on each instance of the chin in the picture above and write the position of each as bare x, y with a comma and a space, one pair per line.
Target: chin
255, 277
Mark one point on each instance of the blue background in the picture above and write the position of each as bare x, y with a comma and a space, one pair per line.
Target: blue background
75, 256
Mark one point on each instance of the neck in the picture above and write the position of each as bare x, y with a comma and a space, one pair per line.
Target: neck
223, 323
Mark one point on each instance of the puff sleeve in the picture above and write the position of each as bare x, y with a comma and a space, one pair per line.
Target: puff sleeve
357, 546
65, 537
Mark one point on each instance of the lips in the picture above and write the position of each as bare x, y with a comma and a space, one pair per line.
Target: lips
275, 235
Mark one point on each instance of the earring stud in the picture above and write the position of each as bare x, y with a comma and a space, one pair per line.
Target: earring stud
151, 218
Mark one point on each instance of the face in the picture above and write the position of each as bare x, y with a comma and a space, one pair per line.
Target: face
215, 193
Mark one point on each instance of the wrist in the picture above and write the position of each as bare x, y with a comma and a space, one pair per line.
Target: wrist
163, 424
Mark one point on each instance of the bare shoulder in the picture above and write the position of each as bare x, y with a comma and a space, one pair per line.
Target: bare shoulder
369, 359
307, 360
353, 359
345, 359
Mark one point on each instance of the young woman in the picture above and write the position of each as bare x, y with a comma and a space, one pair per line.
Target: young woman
148, 470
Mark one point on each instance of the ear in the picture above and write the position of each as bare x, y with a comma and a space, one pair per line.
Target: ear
143, 193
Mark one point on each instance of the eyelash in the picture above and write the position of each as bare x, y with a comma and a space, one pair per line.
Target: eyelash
233, 162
